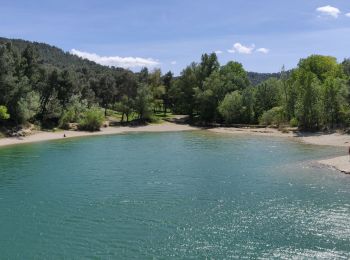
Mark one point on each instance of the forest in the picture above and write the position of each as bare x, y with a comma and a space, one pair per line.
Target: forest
46, 87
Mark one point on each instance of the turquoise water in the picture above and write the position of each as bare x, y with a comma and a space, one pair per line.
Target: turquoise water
179, 195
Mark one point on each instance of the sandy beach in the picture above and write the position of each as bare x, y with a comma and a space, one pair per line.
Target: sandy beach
333, 139
47, 136
341, 163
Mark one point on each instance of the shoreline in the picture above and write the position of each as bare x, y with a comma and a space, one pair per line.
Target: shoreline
341, 163
42, 136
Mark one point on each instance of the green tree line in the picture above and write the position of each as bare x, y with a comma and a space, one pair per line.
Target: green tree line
315, 95
45, 86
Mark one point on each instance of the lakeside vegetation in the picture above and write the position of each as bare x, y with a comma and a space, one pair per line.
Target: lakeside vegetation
44, 86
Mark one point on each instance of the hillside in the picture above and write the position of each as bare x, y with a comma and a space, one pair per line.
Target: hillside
256, 78
53, 56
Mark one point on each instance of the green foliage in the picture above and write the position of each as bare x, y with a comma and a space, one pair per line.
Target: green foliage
73, 114
4, 115
321, 66
308, 104
183, 91
257, 78
125, 106
208, 97
28, 107
334, 93
42, 83
321, 92
267, 96
144, 102
294, 122
231, 108
91, 119
67, 117
274, 116
248, 99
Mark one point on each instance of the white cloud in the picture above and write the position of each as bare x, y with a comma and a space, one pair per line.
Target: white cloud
173, 62
218, 52
329, 10
348, 14
263, 50
237, 47
124, 62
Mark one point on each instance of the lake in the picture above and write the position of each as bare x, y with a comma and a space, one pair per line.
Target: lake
181, 195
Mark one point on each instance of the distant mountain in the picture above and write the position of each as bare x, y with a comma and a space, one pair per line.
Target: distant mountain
256, 77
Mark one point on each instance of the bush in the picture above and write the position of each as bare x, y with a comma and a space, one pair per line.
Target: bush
67, 117
4, 115
74, 112
273, 116
91, 120
294, 122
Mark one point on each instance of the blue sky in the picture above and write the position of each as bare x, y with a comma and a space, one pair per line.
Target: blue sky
262, 35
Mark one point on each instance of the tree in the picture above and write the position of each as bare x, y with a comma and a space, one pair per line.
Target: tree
209, 64
28, 107
106, 91
334, 97
234, 77
267, 96
168, 82
321, 91
221, 81
183, 91
308, 105
47, 90
209, 97
66, 87
248, 100
231, 108
157, 89
9, 91
30, 64
125, 106
144, 102
321, 66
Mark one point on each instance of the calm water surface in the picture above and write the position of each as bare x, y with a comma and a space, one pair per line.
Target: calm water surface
180, 195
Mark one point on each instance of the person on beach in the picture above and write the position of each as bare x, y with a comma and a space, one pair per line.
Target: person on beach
64, 135
349, 153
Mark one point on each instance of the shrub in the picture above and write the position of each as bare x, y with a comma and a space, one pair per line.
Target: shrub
4, 115
274, 116
294, 122
74, 112
67, 117
91, 120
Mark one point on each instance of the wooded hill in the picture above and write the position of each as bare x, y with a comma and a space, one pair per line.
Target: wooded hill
46, 86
